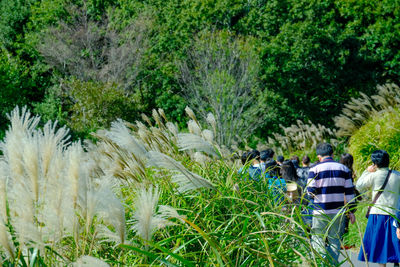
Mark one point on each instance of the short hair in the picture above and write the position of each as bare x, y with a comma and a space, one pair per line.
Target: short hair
380, 158
243, 158
306, 160
280, 158
324, 149
267, 154
254, 154
295, 159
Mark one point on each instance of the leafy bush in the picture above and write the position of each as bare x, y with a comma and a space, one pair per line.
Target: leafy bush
380, 132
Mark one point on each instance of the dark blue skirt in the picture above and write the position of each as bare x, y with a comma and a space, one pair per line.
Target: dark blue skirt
380, 241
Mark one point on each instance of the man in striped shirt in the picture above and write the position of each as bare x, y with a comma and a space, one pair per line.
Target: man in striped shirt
330, 187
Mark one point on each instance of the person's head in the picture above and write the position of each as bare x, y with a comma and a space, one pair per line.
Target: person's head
272, 168
324, 150
347, 160
253, 155
267, 155
288, 171
380, 158
305, 160
280, 159
295, 159
243, 158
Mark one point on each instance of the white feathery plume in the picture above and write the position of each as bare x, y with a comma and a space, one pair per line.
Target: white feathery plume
208, 136
22, 122
31, 163
122, 136
172, 128
4, 172
212, 121
111, 210
147, 218
146, 119
190, 141
50, 142
190, 113
199, 157
194, 127
89, 261
157, 118
170, 212
6, 239
190, 181
73, 172
185, 179
162, 114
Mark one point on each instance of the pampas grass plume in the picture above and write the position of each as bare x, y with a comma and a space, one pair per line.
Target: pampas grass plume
89, 261
146, 219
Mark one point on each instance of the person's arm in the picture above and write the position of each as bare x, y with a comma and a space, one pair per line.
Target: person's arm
311, 184
397, 219
350, 196
365, 181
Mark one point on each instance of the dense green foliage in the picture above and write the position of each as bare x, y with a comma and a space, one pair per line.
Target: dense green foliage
381, 132
313, 54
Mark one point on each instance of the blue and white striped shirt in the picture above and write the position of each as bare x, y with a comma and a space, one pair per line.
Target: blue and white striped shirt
330, 184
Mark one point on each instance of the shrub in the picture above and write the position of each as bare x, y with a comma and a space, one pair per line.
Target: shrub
380, 132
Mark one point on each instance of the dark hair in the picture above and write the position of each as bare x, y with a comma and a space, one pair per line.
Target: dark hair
272, 168
347, 160
380, 158
254, 154
306, 160
267, 154
243, 158
280, 158
295, 159
324, 149
288, 171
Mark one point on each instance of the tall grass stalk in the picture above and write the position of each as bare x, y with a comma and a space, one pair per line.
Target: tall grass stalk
46, 185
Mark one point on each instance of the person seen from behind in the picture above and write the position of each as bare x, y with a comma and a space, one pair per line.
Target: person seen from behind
276, 184
380, 244
347, 160
329, 185
303, 171
289, 174
295, 160
243, 159
253, 170
280, 159
265, 156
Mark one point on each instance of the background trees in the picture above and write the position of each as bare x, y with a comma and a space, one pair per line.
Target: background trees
220, 75
312, 55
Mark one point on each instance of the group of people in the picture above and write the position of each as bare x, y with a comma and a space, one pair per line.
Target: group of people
332, 198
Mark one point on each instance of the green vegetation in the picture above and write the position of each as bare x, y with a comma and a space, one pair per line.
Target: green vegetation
312, 56
380, 132
160, 187
143, 190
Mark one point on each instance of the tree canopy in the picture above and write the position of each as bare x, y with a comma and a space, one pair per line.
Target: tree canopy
312, 55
